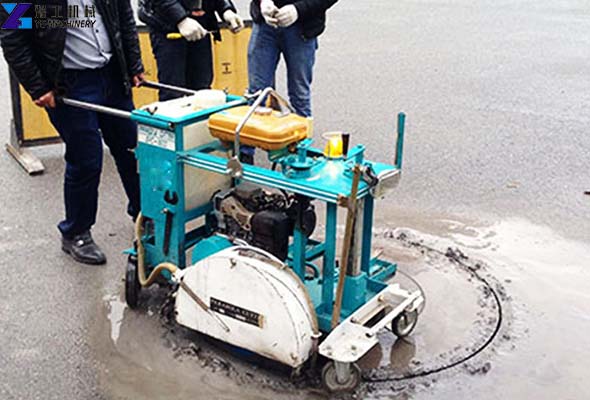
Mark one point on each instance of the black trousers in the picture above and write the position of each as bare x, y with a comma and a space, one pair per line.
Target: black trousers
83, 132
182, 63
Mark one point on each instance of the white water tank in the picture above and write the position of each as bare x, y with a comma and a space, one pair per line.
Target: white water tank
200, 185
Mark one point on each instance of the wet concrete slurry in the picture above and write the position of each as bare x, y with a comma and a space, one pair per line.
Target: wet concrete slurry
497, 149
528, 354
460, 316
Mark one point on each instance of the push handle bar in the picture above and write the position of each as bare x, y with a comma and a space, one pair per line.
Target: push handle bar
158, 85
122, 113
95, 107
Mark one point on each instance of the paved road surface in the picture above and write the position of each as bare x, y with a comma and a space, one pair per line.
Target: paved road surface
497, 95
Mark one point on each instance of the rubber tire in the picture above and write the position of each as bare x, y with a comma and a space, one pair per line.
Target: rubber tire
332, 385
403, 331
132, 286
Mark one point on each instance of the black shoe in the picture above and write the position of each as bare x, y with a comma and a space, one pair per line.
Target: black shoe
83, 249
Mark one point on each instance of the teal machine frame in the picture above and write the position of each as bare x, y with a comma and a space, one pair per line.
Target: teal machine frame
307, 172
304, 171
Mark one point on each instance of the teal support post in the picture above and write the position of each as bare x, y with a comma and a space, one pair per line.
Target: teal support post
355, 293
299, 245
367, 234
329, 258
399, 150
179, 217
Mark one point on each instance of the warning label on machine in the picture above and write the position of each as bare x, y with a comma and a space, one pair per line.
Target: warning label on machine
236, 312
156, 137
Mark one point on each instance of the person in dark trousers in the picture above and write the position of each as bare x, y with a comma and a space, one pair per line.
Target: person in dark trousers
98, 65
186, 62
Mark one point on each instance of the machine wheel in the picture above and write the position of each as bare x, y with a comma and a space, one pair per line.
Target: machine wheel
331, 381
132, 286
404, 324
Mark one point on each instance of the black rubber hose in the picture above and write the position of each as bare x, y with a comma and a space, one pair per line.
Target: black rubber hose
469, 356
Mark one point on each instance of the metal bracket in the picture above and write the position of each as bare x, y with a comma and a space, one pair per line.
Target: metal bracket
353, 338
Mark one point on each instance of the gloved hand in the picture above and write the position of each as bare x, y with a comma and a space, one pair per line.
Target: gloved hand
235, 22
287, 15
191, 30
269, 11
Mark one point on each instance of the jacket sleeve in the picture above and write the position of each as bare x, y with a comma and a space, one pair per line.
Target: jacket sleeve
311, 8
222, 6
18, 52
129, 38
172, 10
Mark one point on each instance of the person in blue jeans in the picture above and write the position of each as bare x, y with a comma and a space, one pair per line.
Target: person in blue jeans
290, 28
98, 65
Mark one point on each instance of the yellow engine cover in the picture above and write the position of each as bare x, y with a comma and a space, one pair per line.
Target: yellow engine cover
267, 129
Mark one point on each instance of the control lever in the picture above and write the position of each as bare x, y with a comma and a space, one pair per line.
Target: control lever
234, 166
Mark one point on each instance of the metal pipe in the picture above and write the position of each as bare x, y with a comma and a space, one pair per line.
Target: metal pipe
158, 85
234, 166
95, 107
246, 117
260, 98
399, 150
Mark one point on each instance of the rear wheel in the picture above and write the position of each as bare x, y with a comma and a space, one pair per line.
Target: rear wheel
404, 323
132, 286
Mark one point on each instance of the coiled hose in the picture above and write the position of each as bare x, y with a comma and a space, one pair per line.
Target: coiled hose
143, 281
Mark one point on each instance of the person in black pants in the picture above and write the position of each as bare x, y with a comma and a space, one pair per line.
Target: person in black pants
186, 62
97, 65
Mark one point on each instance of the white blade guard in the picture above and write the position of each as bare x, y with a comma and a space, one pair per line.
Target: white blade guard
253, 301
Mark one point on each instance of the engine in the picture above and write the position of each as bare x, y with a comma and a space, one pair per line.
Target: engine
263, 218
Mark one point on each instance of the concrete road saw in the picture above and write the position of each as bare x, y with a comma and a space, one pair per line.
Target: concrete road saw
240, 241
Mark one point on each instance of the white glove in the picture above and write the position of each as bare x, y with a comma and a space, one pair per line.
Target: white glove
235, 22
287, 15
269, 11
191, 30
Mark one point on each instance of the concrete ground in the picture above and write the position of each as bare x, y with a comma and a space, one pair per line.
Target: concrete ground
497, 95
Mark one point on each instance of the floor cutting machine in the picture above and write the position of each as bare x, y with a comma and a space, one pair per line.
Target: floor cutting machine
240, 243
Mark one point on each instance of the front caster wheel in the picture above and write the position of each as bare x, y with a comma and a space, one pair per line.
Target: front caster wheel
404, 323
132, 286
341, 377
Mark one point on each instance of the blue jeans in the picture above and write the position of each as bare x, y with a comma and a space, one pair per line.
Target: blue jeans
81, 132
182, 63
265, 48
